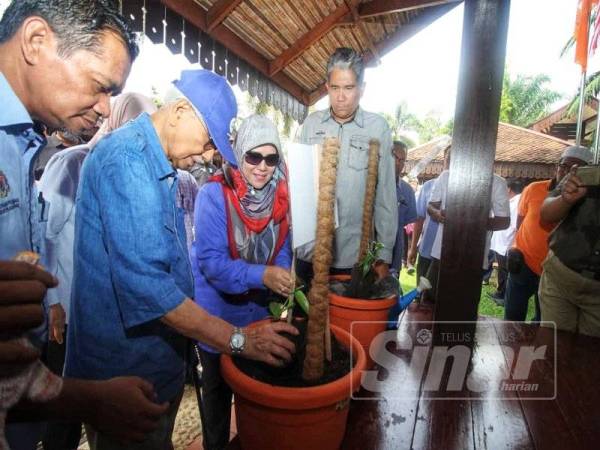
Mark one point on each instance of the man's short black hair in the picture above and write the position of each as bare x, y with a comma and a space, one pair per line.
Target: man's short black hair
515, 185
78, 24
399, 145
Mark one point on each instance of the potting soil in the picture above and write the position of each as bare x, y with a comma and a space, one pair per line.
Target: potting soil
383, 288
291, 374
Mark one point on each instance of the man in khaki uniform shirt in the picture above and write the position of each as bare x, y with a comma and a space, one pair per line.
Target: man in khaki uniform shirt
354, 128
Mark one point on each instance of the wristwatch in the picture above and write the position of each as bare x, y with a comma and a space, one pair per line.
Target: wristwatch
237, 341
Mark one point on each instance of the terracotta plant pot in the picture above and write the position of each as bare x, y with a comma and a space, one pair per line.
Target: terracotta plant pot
294, 418
343, 311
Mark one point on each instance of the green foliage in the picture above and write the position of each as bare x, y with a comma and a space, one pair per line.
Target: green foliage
592, 82
277, 308
370, 257
403, 122
525, 99
429, 127
301, 300
448, 127
592, 87
571, 41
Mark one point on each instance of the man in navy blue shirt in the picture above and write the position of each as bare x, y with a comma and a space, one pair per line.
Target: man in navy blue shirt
407, 209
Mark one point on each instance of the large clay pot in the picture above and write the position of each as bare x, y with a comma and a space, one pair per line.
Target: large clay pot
287, 418
343, 311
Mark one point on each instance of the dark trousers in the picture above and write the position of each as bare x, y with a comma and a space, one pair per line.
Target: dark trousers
487, 273
216, 403
502, 273
59, 435
422, 267
433, 272
304, 271
519, 288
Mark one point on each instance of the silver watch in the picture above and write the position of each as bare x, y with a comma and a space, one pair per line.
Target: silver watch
237, 341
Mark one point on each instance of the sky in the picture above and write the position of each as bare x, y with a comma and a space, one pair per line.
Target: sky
423, 71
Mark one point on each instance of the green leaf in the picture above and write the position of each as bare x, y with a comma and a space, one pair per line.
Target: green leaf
276, 309
301, 300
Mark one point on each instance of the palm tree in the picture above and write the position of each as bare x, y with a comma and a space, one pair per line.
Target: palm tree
592, 82
402, 122
525, 99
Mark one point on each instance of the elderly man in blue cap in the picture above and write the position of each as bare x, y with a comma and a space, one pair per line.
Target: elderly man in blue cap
132, 290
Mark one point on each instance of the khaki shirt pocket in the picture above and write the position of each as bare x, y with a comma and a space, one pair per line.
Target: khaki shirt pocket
316, 139
358, 153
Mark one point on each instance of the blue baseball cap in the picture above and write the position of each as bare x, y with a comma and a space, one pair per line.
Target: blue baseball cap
212, 97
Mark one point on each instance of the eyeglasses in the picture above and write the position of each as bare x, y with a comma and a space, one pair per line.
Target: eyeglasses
210, 145
254, 159
567, 167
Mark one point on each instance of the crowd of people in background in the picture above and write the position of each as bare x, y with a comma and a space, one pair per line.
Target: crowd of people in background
159, 227
530, 225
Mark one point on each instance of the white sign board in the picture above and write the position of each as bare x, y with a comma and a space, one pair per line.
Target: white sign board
303, 168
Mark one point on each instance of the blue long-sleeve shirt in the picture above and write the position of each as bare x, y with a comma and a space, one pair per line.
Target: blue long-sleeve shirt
231, 289
131, 263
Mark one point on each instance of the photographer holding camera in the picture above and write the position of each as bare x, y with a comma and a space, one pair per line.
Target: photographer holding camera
570, 283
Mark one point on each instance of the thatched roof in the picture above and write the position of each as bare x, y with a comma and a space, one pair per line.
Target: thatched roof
520, 153
278, 49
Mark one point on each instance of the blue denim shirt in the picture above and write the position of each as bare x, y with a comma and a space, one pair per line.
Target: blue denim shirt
131, 263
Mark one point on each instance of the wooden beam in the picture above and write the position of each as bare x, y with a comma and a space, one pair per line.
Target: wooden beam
483, 52
308, 39
197, 16
219, 12
358, 23
381, 7
402, 34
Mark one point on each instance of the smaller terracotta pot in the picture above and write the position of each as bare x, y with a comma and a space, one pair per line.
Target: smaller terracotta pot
343, 311
294, 418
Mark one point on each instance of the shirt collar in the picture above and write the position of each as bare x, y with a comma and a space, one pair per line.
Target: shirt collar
164, 167
12, 112
358, 119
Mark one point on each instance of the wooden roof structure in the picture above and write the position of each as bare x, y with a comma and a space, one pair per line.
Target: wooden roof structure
278, 49
520, 153
564, 126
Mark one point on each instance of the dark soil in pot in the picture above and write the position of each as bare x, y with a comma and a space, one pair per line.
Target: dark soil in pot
384, 288
291, 374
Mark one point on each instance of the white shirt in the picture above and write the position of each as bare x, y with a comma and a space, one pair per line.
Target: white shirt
503, 239
500, 208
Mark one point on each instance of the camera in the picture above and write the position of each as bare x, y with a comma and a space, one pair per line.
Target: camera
589, 175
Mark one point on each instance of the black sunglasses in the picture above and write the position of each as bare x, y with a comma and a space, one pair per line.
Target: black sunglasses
254, 159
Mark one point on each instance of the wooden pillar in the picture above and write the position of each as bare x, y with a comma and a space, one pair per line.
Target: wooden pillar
474, 142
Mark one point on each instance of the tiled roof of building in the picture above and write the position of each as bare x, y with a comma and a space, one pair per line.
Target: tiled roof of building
519, 153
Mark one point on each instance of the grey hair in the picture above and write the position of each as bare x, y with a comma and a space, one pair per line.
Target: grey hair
345, 58
174, 94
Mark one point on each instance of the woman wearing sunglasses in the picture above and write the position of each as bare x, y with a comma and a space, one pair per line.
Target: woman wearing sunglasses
241, 251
